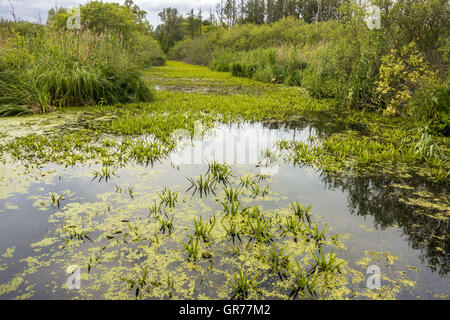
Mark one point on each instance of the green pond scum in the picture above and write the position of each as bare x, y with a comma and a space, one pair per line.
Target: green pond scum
100, 182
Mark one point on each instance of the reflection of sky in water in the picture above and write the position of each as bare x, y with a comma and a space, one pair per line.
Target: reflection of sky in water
337, 202
237, 144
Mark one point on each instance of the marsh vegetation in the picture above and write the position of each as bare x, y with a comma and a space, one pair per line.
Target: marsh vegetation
342, 182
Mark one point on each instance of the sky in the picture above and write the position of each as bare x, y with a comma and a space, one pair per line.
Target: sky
31, 10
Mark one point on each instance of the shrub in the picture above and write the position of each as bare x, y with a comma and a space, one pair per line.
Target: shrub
432, 105
195, 51
401, 75
222, 61
146, 50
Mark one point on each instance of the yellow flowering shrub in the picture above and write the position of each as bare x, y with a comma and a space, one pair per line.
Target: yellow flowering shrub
401, 75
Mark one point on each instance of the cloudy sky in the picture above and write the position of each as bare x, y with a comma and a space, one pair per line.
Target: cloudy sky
33, 9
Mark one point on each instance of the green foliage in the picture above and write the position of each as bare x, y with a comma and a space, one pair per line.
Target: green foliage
170, 30
403, 64
194, 51
146, 51
9, 29
169, 198
401, 75
203, 229
328, 263
191, 248
12, 110
433, 105
125, 21
277, 261
221, 172
64, 69
243, 284
426, 149
100, 17
304, 284
204, 185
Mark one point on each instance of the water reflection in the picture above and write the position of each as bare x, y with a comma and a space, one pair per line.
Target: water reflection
368, 196
376, 196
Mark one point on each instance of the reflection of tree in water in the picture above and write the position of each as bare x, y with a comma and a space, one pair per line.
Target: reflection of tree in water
322, 123
377, 197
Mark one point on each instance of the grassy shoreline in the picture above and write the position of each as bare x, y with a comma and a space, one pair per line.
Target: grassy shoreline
361, 140
278, 253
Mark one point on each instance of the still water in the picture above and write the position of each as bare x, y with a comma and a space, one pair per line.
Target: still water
371, 213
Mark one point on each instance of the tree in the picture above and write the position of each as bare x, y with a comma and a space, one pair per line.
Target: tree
99, 17
230, 12
171, 29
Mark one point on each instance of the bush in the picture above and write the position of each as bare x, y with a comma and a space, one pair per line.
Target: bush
195, 51
432, 105
222, 61
401, 75
147, 51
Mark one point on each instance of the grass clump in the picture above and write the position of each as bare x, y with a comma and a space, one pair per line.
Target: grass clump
203, 229
243, 284
304, 284
55, 69
191, 248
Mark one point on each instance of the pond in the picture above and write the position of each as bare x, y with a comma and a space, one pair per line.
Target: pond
135, 230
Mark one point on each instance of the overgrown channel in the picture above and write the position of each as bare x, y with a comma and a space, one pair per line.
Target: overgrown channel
167, 199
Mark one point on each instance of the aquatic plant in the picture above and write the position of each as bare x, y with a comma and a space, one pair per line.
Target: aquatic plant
302, 212
144, 152
204, 185
171, 286
169, 198
92, 261
232, 230
260, 228
256, 191
304, 283
166, 223
246, 181
203, 229
131, 192
252, 212
156, 208
140, 285
231, 208
232, 194
277, 261
221, 172
243, 284
324, 264
75, 234
291, 224
425, 148
56, 199
104, 174
192, 248
315, 234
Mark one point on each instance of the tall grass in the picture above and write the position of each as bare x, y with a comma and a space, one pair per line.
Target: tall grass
49, 69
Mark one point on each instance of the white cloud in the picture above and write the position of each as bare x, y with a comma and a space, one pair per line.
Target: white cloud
33, 9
